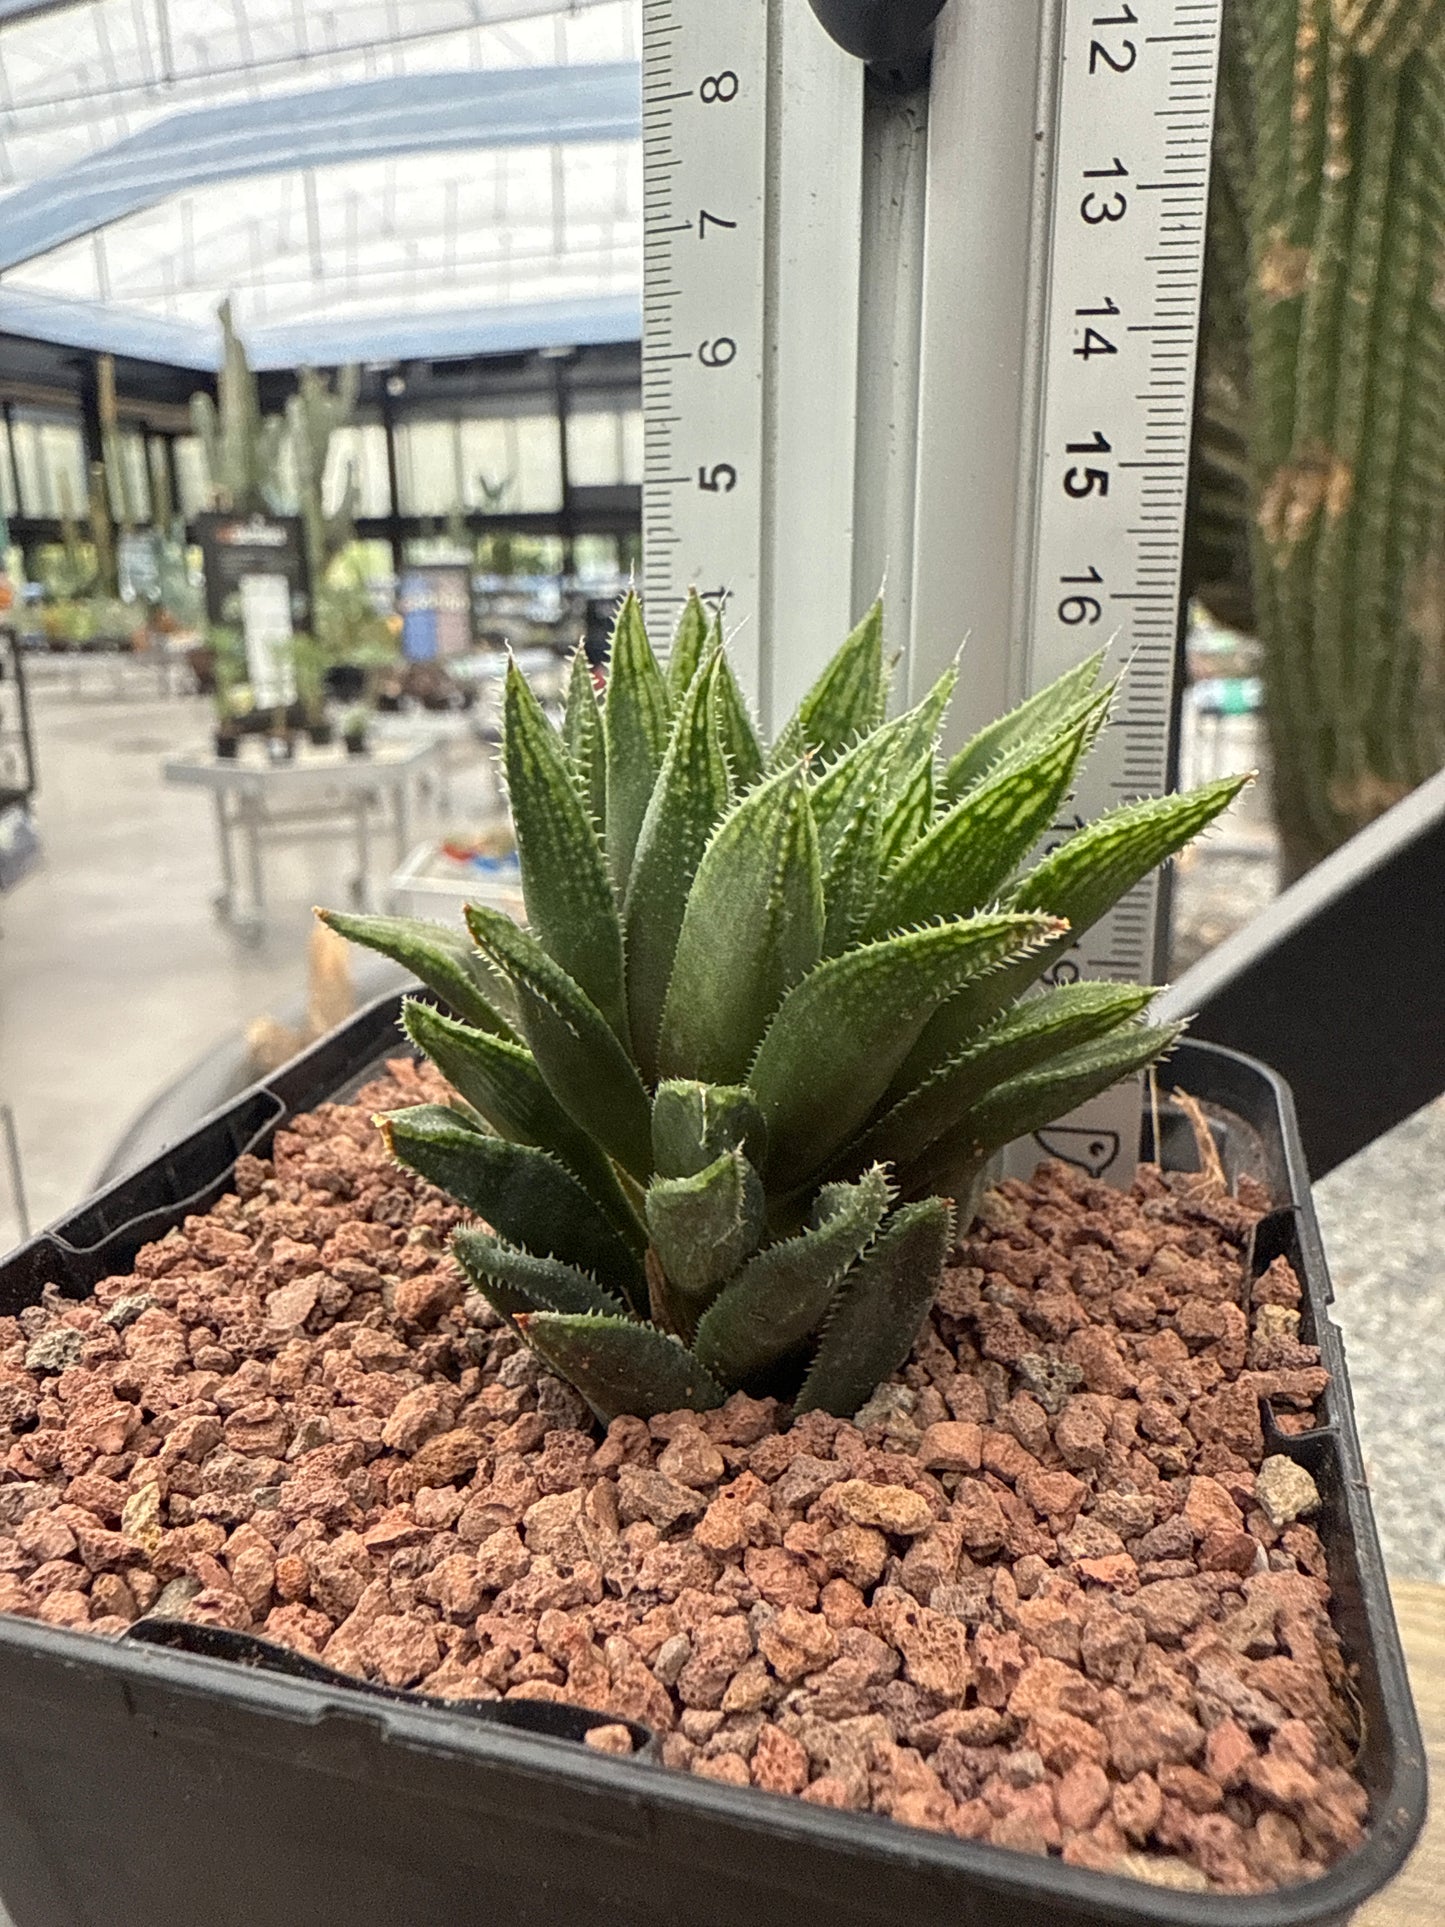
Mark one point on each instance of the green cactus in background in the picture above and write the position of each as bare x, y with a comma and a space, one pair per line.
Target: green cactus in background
773, 1011
313, 414
1326, 251
245, 452
163, 501
102, 533
124, 501
243, 448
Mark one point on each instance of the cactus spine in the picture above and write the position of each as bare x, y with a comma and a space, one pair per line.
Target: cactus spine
1331, 126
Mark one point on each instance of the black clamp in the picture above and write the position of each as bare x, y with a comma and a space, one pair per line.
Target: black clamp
895, 37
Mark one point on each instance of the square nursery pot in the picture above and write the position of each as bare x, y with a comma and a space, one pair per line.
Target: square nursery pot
144, 1787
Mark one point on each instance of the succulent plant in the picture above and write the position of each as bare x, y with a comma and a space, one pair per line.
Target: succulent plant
773, 1012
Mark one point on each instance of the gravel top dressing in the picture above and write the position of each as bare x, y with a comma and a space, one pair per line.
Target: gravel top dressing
1047, 1591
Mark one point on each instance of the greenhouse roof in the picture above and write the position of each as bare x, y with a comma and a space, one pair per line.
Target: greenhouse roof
368, 180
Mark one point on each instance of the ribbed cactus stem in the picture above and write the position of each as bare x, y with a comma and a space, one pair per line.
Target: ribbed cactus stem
1344, 101
241, 446
163, 504
313, 415
102, 532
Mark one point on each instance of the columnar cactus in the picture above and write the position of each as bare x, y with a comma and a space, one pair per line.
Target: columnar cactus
772, 1014
241, 446
245, 451
313, 414
1330, 199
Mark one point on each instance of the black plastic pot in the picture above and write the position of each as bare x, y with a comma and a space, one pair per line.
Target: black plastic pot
142, 1787
345, 682
228, 744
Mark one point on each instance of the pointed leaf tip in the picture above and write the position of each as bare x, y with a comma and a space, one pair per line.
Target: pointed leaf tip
565, 883
439, 957
636, 713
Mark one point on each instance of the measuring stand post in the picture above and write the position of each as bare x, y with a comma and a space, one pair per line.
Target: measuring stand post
950, 334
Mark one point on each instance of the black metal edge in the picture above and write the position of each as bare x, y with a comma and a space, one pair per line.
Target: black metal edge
104, 1234
558, 1719
1212, 1073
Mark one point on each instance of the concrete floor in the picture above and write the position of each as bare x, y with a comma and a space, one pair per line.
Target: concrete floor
115, 971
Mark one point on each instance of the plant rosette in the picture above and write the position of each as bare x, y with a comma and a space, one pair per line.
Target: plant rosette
726, 1102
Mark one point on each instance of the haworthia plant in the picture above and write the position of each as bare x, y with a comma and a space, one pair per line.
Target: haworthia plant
725, 1102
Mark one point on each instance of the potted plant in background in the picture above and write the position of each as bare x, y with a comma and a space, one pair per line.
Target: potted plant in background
227, 733
355, 729
309, 666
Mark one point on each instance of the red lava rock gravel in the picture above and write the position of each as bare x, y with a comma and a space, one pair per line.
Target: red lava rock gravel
1045, 1592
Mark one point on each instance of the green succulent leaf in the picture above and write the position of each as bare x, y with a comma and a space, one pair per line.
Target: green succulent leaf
1035, 1098
779, 1297
687, 803
1086, 876
582, 733
922, 725
585, 1067
693, 1124
689, 645
523, 1193
965, 858
1080, 880
735, 728
847, 699
841, 1034
568, 893
501, 1080
619, 1366
513, 1280
850, 884
1040, 715
1033, 1033
753, 926
909, 815
880, 1309
442, 959
878, 766
703, 1227
635, 718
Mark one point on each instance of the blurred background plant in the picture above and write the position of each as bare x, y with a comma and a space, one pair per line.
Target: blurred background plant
1318, 521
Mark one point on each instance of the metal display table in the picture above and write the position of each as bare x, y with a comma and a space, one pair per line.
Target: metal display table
112, 674
321, 793
463, 740
433, 885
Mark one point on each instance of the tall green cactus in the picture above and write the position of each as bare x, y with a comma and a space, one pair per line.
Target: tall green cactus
245, 451
1329, 212
313, 414
241, 446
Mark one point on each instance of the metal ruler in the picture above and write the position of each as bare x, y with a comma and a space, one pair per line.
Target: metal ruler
950, 336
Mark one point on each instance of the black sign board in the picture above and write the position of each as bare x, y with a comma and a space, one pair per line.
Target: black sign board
234, 546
